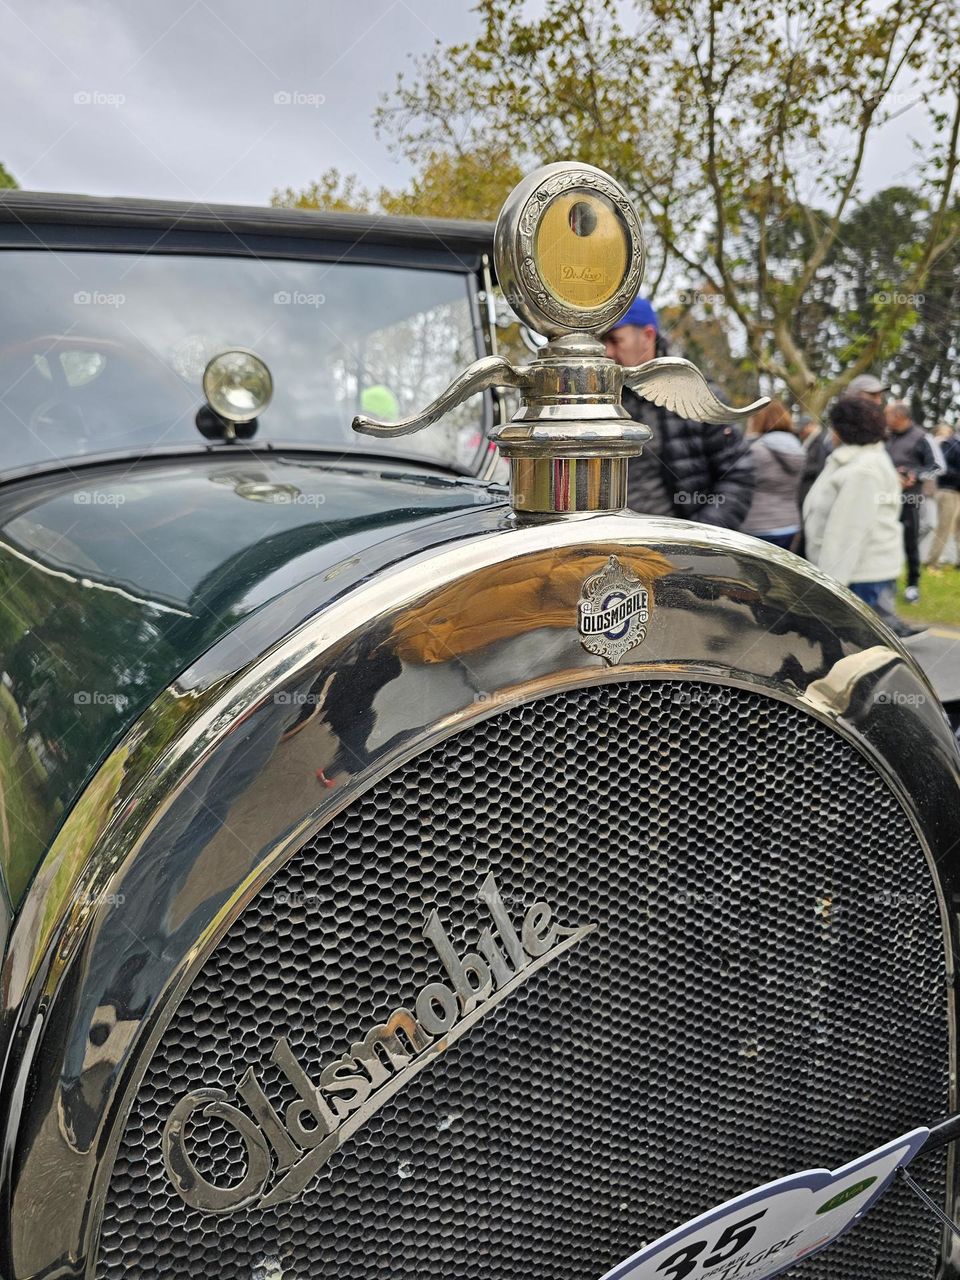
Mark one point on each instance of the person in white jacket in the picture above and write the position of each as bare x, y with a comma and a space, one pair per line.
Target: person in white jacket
851, 516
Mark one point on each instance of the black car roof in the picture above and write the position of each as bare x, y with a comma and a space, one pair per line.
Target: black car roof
40, 219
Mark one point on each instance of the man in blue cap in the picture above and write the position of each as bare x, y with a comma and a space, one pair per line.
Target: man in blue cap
689, 469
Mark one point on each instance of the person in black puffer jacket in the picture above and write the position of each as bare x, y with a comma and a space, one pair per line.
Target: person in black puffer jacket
690, 469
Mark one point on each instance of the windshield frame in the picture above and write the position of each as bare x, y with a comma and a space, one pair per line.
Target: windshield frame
41, 223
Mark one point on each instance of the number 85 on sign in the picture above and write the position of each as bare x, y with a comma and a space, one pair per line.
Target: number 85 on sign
766, 1231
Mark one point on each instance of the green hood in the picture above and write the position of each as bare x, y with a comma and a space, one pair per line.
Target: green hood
112, 581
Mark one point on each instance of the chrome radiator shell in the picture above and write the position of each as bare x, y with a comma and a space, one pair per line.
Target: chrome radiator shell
212, 792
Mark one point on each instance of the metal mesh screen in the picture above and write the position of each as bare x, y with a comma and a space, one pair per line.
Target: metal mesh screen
764, 993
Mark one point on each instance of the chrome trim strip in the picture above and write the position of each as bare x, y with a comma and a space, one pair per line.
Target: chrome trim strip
218, 784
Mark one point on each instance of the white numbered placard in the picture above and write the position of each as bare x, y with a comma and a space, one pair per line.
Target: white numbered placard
765, 1231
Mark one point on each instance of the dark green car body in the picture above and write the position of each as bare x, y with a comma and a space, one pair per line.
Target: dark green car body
96, 617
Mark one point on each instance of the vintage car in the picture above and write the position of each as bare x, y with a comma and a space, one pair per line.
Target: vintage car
407, 875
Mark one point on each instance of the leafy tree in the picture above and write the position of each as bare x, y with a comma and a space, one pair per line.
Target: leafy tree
696, 329
866, 265
466, 184
7, 180
928, 361
333, 191
868, 269
460, 184
740, 127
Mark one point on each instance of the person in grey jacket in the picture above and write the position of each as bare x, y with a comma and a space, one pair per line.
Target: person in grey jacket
778, 460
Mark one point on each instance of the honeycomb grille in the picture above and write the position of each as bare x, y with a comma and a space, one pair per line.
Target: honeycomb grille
764, 993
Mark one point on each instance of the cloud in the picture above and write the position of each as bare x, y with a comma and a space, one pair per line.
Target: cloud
186, 100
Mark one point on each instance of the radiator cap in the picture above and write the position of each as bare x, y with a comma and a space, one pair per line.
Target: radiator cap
569, 255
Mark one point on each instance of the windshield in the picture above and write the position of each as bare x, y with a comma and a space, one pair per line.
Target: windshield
105, 352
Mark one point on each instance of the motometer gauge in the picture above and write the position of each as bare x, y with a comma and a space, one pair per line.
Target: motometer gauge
569, 255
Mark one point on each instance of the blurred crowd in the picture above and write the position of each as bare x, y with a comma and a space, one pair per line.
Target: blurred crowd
864, 494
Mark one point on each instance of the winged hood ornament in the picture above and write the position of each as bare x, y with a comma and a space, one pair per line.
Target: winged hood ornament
569, 254
679, 386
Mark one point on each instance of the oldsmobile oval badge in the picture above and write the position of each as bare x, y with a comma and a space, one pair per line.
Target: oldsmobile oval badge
613, 612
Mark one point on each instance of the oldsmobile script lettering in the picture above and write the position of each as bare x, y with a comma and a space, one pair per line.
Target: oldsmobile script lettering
613, 612
284, 1151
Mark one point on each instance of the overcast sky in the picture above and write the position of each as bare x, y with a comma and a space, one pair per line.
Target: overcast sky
226, 100
185, 98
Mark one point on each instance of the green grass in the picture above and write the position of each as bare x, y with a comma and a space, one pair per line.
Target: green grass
939, 599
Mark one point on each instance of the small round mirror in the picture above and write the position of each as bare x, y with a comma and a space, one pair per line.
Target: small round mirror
238, 385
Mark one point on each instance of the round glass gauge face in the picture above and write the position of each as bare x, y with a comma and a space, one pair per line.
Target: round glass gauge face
582, 249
